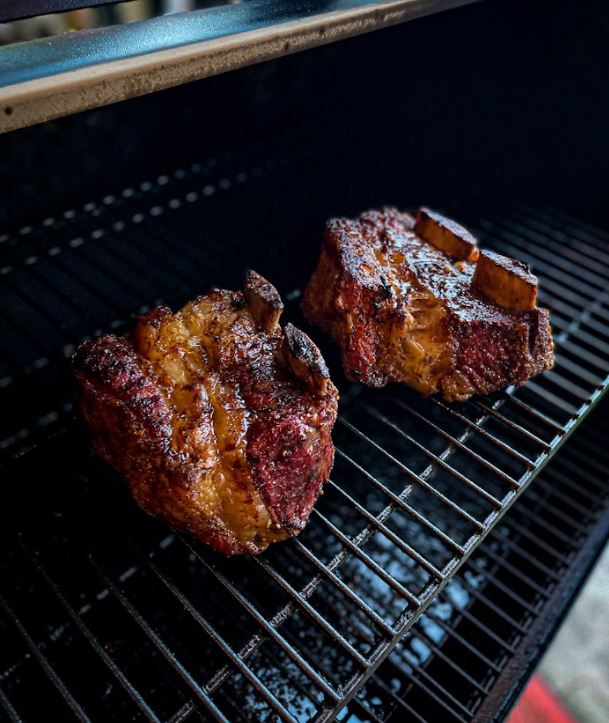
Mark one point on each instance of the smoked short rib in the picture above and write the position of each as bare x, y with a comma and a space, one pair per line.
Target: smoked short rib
415, 301
218, 418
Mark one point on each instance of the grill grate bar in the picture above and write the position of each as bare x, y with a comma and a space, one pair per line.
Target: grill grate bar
582, 266
597, 326
573, 389
516, 245
457, 443
512, 524
486, 434
569, 303
109, 259
410, 674
582, 353
82, 286
256, 640
199, 692
184, 713
85, 631
584, 239
553, 399
534, 244
588, 244
464, 612
269, 629
437, 460
536, 414
422, 635
590, 340
247, 673
8, 708
368, 561
554, 378
42, 660
522, 576
399, 502
569, 557
534, 538
416, 478
512, 424
28, 297
397, 541
268, 653
534, 541
526, 556
151, 244
400, 702
457, 636
370, 716
312, 612
574, 467
483, 598
561, 318
574, 368
31, 335
116, 285
347, 591
593, 438
588, 461
583, 494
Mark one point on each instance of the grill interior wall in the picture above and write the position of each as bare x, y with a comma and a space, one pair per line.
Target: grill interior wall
442, 106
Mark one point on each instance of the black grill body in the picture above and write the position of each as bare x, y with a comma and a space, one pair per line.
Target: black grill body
448, 532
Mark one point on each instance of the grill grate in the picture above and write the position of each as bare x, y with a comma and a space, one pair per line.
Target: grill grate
165, 629
436, 672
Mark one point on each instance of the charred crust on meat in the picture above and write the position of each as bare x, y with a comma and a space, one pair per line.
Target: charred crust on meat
446, 235
505, 281
154, 317
264, 302
305, 359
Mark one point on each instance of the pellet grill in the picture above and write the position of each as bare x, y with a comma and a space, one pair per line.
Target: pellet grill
143, 162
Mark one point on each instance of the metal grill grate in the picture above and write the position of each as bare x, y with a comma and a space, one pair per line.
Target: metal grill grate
165, 629
487, 630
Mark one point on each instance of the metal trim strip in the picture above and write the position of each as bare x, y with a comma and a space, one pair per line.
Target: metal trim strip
45, 79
